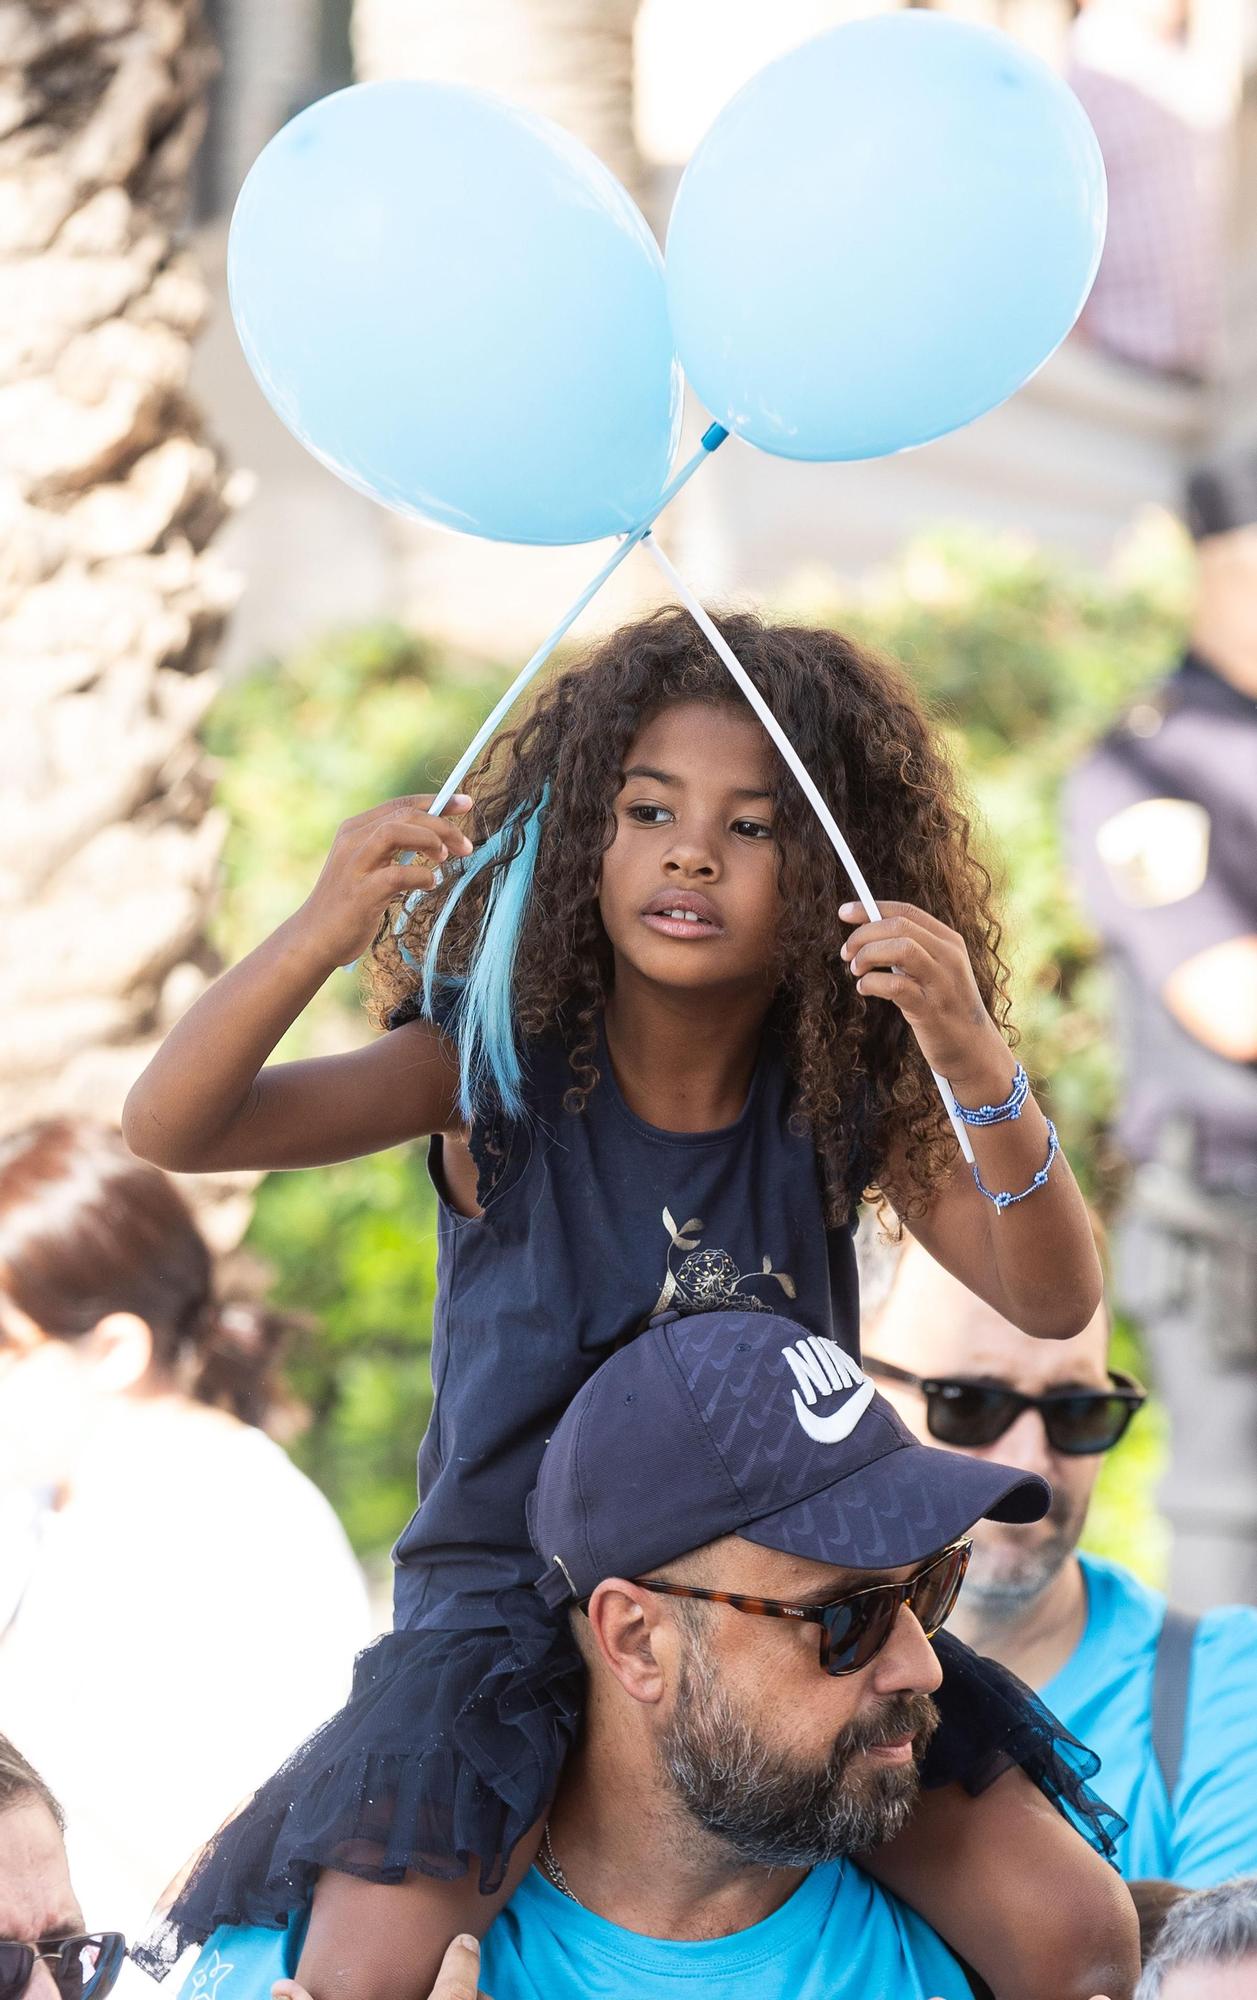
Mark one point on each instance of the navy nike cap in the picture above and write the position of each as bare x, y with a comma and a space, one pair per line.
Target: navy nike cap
743, 1423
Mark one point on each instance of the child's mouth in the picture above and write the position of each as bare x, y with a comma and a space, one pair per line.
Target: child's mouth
685, 916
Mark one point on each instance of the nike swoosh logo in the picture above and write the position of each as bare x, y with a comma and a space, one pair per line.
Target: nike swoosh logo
831, 1430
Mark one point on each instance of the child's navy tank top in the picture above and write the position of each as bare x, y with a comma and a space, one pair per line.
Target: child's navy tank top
593, 1221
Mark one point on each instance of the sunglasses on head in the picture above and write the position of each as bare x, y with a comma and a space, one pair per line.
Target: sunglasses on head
856, 1626
82, 1968
1078, 1422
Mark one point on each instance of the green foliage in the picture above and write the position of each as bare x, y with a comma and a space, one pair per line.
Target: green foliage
304, 744
359, 718
1123, 1522
1026, 657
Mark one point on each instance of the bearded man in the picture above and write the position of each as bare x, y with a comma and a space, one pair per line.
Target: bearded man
1166, 1700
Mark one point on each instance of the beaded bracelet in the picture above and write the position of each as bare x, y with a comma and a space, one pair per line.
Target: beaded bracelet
1001, 1198
995, 1114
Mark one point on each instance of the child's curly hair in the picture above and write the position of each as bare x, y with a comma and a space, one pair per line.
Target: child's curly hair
859, 727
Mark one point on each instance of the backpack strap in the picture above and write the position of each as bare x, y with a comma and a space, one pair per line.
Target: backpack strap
1171, 1673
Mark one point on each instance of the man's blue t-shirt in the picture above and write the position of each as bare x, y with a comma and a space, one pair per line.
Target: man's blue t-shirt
838, 1937
1208, 1832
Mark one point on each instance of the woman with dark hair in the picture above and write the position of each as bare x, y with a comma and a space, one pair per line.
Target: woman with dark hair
178, 1604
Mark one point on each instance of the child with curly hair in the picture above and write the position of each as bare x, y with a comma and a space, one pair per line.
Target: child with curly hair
659, 1058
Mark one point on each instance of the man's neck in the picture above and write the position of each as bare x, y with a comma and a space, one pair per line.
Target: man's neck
632, 1854
1035, 1639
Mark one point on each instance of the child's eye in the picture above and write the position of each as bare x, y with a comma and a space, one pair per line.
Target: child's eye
753, 829
646, 815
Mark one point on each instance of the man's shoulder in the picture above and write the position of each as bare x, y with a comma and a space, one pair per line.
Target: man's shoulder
1118, 1600
1226, 1641
1125, 809
1155, 740
1121, 1607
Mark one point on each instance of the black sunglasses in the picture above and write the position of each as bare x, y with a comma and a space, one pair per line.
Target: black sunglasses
854, 1628
83, 1968
1078, 1421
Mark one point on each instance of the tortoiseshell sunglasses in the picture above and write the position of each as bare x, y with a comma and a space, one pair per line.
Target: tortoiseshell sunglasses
855, 1627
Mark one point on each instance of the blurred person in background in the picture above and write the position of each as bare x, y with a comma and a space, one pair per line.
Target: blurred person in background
1162, 822
179, 1605
44, 1948
1207, 1949
1167, 1703
1160, 115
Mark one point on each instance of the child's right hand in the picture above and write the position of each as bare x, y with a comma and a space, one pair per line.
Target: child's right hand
363, 875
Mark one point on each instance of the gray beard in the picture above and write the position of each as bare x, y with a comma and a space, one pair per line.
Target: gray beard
998, 1591
770, 1810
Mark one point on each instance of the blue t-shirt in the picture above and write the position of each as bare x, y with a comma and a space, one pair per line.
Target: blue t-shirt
838, 1937
1208, 1832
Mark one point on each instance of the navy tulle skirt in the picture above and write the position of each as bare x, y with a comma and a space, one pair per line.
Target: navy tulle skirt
450, 1746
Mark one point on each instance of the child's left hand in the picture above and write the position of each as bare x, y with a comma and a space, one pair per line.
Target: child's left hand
923, 967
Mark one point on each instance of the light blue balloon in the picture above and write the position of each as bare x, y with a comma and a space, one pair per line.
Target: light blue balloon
882, 236
457, 308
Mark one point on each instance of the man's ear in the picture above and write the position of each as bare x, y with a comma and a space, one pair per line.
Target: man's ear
635, 1638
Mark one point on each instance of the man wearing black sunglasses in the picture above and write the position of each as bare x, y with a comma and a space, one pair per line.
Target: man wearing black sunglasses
1166, 1702
45, 1951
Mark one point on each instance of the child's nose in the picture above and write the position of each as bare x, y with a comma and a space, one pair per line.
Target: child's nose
691, 857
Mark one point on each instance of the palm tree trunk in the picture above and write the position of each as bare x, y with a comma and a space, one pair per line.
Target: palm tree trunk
570, 59
110, 599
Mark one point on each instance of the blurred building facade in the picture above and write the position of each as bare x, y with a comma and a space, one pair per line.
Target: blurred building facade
1163, 368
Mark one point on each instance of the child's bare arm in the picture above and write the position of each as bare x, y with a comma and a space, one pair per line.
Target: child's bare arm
1034, 1260
206, 1101
1016, 1892
384, 1941
457, 1979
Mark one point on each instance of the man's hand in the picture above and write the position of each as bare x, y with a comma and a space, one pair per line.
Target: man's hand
458, 1978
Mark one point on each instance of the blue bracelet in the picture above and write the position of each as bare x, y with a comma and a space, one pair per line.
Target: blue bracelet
1001, 1197
995, 1114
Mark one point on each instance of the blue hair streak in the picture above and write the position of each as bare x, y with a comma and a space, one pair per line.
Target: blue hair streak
482, 1022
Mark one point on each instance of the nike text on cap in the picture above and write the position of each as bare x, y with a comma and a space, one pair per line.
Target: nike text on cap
740, 1423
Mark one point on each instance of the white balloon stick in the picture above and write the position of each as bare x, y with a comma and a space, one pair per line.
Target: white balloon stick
802, 775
